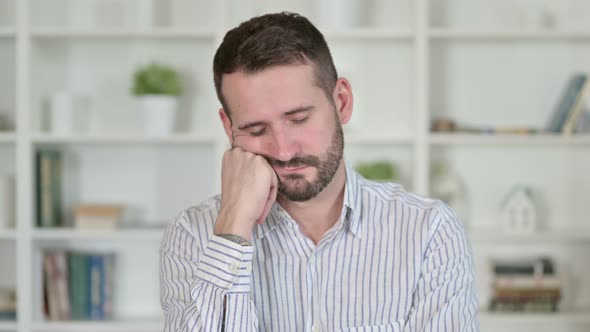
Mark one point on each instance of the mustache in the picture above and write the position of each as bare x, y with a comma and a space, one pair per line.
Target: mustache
296, 161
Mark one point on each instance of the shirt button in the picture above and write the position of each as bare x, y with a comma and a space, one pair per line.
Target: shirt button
315, 327
234, 268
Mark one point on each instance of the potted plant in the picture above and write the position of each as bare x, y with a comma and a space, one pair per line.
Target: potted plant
157, 88
377, 170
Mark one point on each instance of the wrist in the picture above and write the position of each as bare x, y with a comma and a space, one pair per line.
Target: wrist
230, 223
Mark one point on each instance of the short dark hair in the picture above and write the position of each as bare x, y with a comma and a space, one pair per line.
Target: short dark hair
274, 39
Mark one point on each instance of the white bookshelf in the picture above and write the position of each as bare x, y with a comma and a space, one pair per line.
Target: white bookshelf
64, 33
510, 140
99, 235
137, 325
7, 32
561, 237
412, 60
7, 234
8, 326
7, 138
516, 35
133, 139
554, 320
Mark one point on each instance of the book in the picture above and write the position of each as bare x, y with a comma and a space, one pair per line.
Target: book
79, 285
97, 216
48, 188
566, 103
56, 283
538, 267
526, 282
577, 109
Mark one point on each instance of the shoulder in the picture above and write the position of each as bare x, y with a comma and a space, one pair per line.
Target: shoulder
434, 215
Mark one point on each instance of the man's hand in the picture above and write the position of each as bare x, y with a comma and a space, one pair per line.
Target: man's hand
248, 190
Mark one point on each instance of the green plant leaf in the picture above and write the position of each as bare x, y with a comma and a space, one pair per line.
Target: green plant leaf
156, 79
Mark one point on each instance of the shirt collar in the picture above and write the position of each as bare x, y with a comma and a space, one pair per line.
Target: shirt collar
351, 208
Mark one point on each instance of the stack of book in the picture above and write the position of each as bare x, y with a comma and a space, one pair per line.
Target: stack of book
528, 285
78, 286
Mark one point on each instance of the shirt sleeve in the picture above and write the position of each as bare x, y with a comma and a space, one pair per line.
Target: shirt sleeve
205, 288
445, 297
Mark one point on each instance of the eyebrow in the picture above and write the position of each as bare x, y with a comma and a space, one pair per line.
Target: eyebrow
288, 113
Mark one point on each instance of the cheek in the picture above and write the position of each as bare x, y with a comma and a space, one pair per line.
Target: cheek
316, 139
250, 144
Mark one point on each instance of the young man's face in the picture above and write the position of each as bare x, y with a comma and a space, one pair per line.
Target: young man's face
281, 114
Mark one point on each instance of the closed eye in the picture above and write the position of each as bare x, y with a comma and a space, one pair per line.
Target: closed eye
300, 121
258, 132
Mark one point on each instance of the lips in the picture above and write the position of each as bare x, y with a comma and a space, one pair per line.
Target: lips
292, 169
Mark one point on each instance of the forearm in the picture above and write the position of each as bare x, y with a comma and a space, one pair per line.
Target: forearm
214, 294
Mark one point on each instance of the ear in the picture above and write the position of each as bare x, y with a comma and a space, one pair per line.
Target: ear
343, 100
226, 121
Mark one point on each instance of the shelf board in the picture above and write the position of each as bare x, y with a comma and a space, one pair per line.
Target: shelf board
368, 34
578, 317
522, 34
506, 139
573, 236
7, 234
124, 139
382, 139
6, 32
8, 325
107, 33
117, 325
147, 234
7, 137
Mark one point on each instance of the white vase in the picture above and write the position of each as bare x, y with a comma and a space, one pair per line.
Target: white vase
159, 114
69, 114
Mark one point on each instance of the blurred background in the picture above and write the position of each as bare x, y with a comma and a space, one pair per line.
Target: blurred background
108, 129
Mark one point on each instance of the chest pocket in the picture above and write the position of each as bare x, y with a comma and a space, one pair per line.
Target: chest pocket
391, 327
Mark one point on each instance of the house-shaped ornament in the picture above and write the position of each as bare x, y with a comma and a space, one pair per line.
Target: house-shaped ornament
519, 213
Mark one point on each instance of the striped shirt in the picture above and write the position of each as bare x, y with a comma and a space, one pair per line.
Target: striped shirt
393, 262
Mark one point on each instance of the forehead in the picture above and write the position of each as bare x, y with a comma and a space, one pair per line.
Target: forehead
274, 90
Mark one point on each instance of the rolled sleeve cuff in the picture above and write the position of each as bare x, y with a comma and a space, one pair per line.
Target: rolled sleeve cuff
227, 265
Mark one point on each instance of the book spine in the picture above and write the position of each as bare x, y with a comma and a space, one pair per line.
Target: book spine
62, 284
50, 274
519, 281
566, 103
577, 109
45, 213
56, 188
78, 271
109, 266
96, 268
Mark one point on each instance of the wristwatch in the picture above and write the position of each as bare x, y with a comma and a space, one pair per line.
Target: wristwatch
235, 238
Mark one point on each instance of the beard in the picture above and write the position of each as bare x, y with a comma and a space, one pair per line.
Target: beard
295, 187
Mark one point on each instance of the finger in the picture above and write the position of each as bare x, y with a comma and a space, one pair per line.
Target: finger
272, 196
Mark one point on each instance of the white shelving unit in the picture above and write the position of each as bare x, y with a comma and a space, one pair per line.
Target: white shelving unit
409, 61
117, 326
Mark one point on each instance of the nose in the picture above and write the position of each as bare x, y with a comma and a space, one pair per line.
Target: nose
282, 145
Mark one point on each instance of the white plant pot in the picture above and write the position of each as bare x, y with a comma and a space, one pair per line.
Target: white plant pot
159, 114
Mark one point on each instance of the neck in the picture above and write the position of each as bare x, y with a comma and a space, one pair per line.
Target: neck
316, 216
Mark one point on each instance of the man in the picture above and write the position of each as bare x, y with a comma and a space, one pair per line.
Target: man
297, 241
